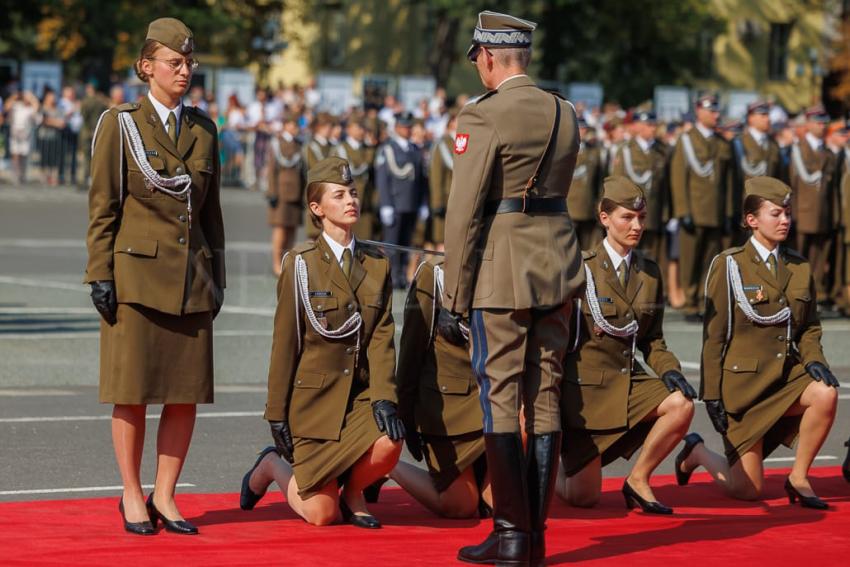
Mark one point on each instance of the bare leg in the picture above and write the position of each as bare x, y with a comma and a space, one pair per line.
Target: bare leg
672, 419
742, 481
817, 404
583, 489
128, 439
277, 248
172, 444
459, 500
674, 290
376, 463
320, 509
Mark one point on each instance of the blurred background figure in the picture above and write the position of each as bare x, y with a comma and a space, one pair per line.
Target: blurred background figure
22, 111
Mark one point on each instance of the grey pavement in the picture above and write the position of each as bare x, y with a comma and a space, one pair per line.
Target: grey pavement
54, 435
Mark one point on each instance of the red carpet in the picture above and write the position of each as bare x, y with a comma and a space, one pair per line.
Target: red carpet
707, 529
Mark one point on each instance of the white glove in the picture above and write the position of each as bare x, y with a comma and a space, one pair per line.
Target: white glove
424, 212
672, 225
387, 215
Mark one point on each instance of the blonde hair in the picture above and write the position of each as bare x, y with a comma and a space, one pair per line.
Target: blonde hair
148, 50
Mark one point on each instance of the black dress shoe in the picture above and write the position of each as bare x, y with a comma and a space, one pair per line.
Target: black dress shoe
634, 499
181, 527
371, 492
845, 468
367, 521
805, 501
138, 528
691, 441
247, 498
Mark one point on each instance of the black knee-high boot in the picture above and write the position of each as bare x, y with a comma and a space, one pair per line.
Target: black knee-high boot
508, 543
543, 454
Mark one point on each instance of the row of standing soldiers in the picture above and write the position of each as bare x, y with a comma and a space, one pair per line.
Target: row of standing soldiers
403, 187
699, 182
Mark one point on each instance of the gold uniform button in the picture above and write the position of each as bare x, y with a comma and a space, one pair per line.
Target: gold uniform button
780, 338
179, 171
346, 371
350, 306
129, 249
182, 218
181, 240
735, 367
298, 382
443, 388
623, 371
781, 301
779, 355
349, 350
628, 315
625, 353
319, 307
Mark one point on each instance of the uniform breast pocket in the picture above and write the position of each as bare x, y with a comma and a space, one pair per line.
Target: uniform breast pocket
137, 181
801, 301
202, 171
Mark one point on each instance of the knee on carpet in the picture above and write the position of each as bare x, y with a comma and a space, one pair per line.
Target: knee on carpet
323, 514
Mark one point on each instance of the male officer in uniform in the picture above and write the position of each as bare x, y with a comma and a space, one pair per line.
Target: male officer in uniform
812, 173
699, 182
513, 260
402, 191
644, 160
584, 190
360, 157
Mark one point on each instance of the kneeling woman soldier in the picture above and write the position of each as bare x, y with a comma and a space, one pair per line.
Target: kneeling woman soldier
764, 375
438, 399
609, 405
332, 395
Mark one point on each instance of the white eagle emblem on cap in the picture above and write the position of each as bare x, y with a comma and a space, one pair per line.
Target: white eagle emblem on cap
638, 204
345, 171
787, 200
187, 45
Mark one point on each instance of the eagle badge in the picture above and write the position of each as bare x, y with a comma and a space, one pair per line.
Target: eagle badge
461, 143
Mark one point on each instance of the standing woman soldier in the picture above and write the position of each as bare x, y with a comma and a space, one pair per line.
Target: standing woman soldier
438, 398
610, 407
332, 395
156, 269
284, 188
764, 376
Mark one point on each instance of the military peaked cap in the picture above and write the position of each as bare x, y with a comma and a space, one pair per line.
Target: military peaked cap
501, 30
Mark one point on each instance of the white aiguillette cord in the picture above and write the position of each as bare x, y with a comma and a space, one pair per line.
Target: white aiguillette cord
630, 330
302, 289
699, 169
736, 289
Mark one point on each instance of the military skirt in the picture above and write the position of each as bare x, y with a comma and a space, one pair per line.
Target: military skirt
151, 357
318, 461
287, 215
447, 456
581, 446
766, 420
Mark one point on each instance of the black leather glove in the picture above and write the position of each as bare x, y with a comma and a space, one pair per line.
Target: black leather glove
821, 373
104, 299
675, 380
413, 440
687, 223
717, 413
282, 439
272, 201
218, 296
386, 416
449, 327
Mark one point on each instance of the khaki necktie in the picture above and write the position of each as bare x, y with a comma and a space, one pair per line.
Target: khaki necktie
622, 273
172, 127
771, 264
346, 262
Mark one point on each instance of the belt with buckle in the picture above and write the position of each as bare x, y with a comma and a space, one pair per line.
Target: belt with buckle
526, 205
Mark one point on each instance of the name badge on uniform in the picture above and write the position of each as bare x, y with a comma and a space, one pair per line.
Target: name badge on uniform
604, 300
151, 153
320, 294
756, 288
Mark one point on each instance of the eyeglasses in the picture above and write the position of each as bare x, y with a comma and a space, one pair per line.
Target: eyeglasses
176, 64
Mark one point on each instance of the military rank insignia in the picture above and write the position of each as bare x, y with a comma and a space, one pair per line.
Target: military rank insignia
461, 143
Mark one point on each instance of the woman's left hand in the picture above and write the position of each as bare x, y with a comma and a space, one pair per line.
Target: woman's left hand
821, 373
675, 380
386, 417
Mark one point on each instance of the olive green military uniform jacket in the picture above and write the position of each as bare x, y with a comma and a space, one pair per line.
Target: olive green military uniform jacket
755, 154
584, 190
286, 170
144, 240
440, 174
601, 366
436, 388
757, 358
815, 204
708, 200
649, 171
515, 260
311, 377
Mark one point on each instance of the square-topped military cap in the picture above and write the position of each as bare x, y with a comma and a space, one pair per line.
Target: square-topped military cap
500, 30
172, 33
768, 188
330, 170
758, 107
817, 113
624, 192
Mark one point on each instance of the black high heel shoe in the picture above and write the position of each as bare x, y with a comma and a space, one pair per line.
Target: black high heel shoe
371, 492
181, 527
247, 498
633, 499
691, 440
138, 528
805, 501
845, 468
367, 521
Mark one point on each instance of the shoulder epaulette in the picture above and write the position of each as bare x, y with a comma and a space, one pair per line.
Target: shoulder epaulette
733, 250
588, 254
305, 246
127, 107
479, 98
199, 113
793, 253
